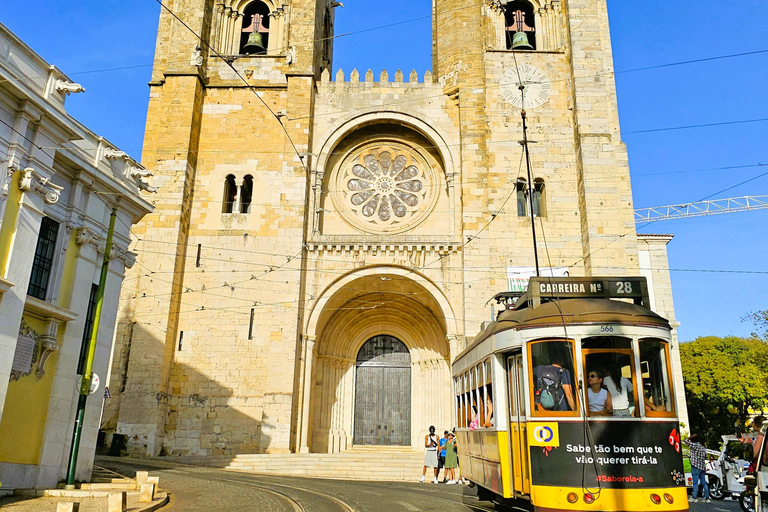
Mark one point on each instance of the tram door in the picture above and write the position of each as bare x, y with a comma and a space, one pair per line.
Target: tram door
519, 439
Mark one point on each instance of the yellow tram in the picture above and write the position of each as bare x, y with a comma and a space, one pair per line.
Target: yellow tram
530, 428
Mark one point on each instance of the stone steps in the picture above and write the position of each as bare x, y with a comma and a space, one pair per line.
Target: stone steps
357, 464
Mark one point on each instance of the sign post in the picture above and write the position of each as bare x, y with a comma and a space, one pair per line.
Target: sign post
85, 384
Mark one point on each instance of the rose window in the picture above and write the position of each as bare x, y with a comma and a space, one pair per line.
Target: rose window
385, 187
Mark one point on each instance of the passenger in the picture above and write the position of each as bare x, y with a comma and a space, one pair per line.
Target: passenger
451, 459
754, 438
475, 419
431, 443
598, 397
650, 406
488, 413
554, 380
620, 389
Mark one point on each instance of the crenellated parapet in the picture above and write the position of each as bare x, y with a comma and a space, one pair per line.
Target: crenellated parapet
384, 79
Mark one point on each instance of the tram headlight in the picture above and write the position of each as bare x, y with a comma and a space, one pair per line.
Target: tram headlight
656, 499
589, 498
572, 497
668, 498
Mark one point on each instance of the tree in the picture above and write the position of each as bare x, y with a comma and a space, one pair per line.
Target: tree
760, 319
725, 378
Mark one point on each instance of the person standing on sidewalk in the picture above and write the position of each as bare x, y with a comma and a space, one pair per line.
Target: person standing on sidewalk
698, 468
431, 443
451, 459
441, 456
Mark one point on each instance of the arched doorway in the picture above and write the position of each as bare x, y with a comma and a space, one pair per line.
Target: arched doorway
383, 393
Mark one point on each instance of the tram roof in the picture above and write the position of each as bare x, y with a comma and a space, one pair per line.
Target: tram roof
571, 312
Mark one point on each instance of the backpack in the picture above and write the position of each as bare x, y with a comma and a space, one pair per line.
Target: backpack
549, 388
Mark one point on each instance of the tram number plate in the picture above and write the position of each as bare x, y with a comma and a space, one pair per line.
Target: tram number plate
606, 328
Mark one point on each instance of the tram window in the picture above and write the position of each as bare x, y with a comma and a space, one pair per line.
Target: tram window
457, 390
489, 421
469, 397
552, 378
511, 386
613, 357
480, 393
655, 377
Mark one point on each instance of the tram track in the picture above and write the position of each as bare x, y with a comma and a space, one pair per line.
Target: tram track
286, 492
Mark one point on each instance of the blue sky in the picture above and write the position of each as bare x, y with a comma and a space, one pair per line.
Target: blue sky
719, 271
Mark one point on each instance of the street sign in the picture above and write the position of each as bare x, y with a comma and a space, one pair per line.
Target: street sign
94, 383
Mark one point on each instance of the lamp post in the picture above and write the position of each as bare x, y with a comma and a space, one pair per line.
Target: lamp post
88, 367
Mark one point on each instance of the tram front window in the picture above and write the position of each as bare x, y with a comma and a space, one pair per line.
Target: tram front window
612, 357
553, 378
655, 376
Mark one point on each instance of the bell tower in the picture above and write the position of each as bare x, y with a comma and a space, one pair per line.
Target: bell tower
230, 110
578, 154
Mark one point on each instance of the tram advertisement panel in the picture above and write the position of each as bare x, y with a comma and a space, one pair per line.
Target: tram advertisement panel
611, 454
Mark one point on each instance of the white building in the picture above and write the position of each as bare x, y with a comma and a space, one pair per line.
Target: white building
60, 183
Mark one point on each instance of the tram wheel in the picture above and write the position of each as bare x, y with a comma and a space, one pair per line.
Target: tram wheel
716, 490
484, 494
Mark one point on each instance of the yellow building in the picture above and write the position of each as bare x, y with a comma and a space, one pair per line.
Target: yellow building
60, 182
324, 243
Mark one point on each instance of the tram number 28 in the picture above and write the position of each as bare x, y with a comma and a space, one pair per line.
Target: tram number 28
624, 287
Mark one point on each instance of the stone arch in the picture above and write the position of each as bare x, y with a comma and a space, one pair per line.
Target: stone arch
351, 122
446, 311
382, 300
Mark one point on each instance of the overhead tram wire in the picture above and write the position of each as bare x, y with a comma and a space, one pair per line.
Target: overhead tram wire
300, 157
234, 69
531, 192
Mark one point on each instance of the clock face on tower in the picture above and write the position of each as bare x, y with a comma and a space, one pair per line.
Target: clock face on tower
536, 86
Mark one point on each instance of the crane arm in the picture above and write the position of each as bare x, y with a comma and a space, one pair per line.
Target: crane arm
698, 209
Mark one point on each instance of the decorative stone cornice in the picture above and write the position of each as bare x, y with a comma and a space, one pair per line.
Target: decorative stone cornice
85, 235
65, 87
53, 316
139, 172
114, 154
30, 180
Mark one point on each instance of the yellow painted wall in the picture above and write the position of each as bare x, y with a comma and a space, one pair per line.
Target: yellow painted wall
26, 405
26, 408
8, 228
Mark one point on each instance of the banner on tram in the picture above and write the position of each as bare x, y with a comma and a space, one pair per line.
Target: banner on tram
611, 454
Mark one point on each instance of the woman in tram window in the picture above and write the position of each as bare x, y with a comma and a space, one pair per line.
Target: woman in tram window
598, 397
620, 389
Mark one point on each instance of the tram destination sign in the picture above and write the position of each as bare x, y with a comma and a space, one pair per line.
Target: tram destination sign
635, 288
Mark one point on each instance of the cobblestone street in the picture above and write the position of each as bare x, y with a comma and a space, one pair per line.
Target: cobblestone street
198, 489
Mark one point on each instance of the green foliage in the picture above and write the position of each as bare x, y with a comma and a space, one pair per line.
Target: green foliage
725, 378
760, 319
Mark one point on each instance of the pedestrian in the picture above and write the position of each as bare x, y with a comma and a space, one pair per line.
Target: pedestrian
441, 456
698, 467
451, 459
431, 443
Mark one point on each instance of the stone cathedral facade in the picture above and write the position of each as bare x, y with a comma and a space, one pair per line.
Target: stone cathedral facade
310, 221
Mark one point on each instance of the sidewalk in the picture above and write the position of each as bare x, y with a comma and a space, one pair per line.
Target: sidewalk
93, 497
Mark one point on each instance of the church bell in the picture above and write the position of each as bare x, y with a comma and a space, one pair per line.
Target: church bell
254, 44
520, 41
